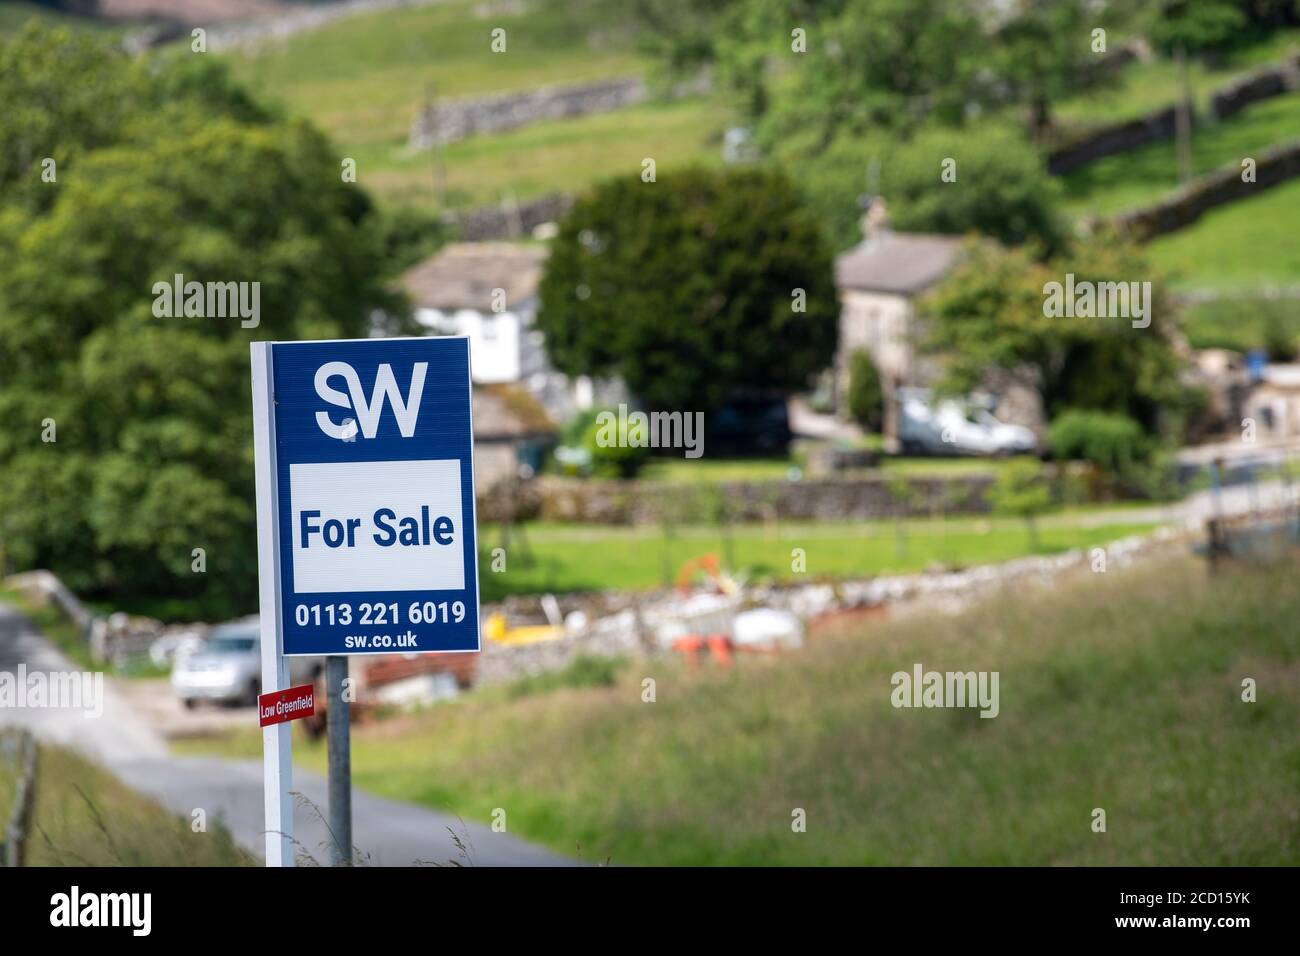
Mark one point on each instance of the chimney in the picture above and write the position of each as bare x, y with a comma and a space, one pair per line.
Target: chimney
875, 221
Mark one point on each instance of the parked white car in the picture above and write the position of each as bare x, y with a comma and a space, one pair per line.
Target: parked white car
956, 427
227, 667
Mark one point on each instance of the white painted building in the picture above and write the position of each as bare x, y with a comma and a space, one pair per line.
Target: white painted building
488, 291
1274, 403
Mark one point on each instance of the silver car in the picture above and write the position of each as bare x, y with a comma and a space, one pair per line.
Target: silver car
227, 668
929, 425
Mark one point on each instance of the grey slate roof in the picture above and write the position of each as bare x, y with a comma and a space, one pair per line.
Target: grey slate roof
505, 411
463, 275
900, 263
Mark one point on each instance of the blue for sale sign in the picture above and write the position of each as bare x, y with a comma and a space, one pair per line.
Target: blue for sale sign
374, 477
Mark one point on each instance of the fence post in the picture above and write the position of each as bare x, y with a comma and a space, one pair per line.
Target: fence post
20, 819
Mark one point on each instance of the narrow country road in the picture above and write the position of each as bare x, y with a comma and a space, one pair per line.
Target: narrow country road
386, 833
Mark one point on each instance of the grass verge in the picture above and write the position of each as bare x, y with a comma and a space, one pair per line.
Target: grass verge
84, 816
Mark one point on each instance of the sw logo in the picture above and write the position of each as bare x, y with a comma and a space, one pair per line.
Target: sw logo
406, 410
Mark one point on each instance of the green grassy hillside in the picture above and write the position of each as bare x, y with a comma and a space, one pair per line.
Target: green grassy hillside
1142, 176
1145, 87
1241, 246
364, 79
1119, 691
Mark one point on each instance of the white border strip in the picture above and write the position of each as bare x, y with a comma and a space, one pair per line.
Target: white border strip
277, 744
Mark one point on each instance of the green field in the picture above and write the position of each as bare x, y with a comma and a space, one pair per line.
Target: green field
1243, 324
1145, 87
557, 156
589, 558
364, 79
1238, 247
1141, 176
84, 816
945, 467
545, 557
1118, 691
1242, 246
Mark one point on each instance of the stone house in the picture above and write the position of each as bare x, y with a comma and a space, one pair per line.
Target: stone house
512, 433
488, 292
879, 281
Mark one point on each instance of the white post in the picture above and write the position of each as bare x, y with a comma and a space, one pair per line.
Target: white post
277, 750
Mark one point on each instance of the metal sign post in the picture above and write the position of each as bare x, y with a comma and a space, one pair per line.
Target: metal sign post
366, 527
338, 731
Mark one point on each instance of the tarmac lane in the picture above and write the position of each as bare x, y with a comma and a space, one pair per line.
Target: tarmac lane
114, 734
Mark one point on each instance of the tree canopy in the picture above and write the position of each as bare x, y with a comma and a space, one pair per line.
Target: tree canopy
160, 169
691, 288
806, 73
990, 314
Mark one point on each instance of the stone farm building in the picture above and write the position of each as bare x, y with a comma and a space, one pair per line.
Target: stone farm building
488, 291
512, 433
879, 281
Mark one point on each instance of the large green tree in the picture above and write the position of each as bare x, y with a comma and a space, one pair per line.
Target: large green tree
809, 72
1045, 51
1194, 28
162, 168
988, 179
691, 287
990, 314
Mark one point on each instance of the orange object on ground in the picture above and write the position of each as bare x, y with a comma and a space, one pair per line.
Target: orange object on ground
720, 649
686, 573
689, 646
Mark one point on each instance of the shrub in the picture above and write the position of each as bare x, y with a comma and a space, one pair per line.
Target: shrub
1112, 442
1002, 188
866, 400
989, 313
574, 431
619, 458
